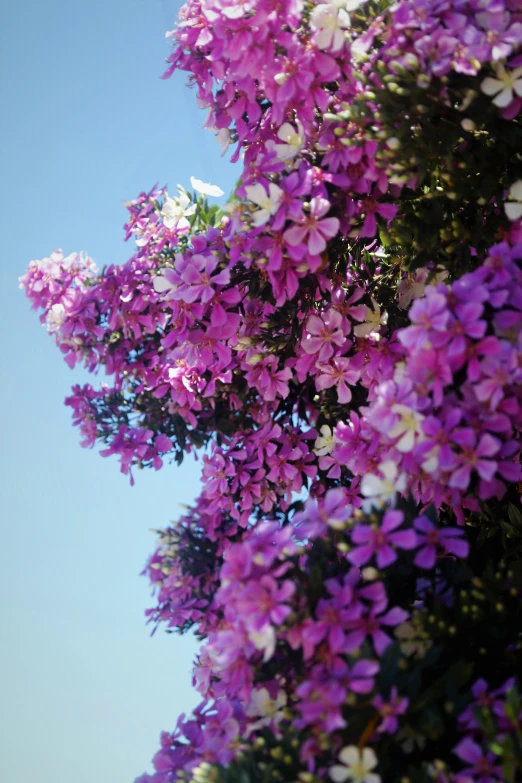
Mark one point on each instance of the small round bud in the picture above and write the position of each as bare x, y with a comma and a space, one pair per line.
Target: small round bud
393, 143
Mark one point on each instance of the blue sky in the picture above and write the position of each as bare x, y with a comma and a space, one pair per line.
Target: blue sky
87, 123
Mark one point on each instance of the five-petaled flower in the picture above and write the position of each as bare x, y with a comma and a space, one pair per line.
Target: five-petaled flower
504, 86
381, 540
205, 188
313, 230
379, 491
176, 211
267, 203
373, 320
431, 538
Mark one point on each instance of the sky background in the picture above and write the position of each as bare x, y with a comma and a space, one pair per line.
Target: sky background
87, 123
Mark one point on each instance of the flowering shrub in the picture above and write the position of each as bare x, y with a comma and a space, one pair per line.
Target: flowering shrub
342, 344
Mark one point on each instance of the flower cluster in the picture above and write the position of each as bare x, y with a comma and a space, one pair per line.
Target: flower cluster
341, 344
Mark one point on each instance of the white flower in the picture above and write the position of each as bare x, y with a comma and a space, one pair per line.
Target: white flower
167, 281
324, 444
261, 704
503, 87
431, 460
412, 639
407, 427
329, 21
467, 124
356, 765
205, 189
55, 318
237, 8
412, 287
374, 320
224, 139
176, 210
264, 640
513, 209
293, 140
268, 203
379, 491
163, 286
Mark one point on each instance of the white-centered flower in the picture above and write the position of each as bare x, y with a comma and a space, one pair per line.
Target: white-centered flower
373, 321
175, 211
55, 318
412, 639
356, 765
504, 86
224, 139
430, 463
328, 21
265, 640
237, 8
266, 709
326, 442
167, 281
380, 490
262, 704
293, 140
513, 208
408, 426
162, 285
205, 188
412, 287
268, 203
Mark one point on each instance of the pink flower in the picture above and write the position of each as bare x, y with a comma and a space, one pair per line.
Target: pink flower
322, 334
199, 285
340, 372
473, 456
370, 208
429, 316
312, 229
263, 602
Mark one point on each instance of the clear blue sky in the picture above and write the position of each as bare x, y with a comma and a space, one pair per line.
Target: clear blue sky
86, 124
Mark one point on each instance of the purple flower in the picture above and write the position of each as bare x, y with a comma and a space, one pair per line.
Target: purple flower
482, 769
370, 625
499, 35
389, 710
263, 602
320, 703
430, 537
360, 678
380, 541
466, 325
429, 317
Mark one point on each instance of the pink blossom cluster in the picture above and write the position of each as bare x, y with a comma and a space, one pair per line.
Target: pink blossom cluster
352, 415
448, 415
257, 618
